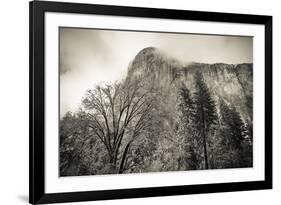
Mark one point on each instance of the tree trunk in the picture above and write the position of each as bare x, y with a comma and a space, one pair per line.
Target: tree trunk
205, 151
123, 158
204, 138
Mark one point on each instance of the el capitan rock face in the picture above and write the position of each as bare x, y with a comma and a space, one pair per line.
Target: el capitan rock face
233, 83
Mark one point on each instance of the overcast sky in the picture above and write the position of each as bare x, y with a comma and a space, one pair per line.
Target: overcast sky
90, 56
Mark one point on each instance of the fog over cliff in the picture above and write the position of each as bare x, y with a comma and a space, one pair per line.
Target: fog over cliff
92, 56
230, 82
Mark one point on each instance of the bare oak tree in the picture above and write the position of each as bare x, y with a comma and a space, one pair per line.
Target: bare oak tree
119, 115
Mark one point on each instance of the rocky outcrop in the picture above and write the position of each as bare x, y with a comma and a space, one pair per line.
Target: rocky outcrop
233, 83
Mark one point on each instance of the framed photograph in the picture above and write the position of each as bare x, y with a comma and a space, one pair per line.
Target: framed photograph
140, 102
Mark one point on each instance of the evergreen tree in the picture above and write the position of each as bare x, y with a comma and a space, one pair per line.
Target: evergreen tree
205, 113
190, 159
233, 124
233, 134
248, 145
186, 105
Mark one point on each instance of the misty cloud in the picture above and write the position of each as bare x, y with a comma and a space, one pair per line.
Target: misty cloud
90, 56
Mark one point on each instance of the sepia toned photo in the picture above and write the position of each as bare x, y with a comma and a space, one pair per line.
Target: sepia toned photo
138, 102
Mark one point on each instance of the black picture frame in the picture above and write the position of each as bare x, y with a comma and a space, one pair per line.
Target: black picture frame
37, 9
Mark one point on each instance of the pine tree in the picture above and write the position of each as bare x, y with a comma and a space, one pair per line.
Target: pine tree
248, 145
233, 124
186, 105
186, 109
233, 133
205, 113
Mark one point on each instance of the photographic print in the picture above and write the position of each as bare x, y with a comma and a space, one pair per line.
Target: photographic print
136, 101
129, 102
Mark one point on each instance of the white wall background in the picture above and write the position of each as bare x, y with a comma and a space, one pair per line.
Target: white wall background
14, 100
